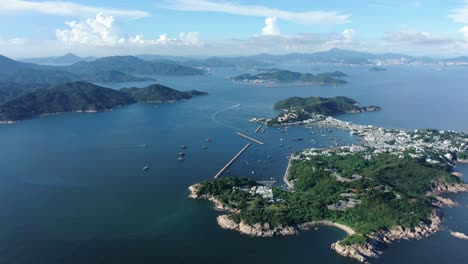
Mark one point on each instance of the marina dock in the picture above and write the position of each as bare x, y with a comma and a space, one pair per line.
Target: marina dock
249, 138
232, 160
258, 128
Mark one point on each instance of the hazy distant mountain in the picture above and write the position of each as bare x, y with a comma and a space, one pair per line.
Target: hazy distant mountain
132, 65
152, 57
18, 72
337, 56
463, 59
66, 59
212, 62
109, 69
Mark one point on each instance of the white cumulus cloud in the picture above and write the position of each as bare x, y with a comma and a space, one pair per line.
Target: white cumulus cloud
464, 31
94, 31
348, 35
271, 26
100, 31
184, 39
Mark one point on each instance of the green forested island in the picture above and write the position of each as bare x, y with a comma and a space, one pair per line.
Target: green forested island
83, 97
365, 197
380, 191
296, 109
290, 76
159, 93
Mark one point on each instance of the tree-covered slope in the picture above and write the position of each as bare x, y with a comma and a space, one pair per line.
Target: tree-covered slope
155, 93
132, 65
290, 76
75, 96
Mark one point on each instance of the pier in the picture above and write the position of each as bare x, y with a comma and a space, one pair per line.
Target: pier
232, 160
258, 128
249, 138
286, 175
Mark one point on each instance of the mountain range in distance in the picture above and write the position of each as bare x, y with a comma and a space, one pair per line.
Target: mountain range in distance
108, 69
64, 60
84, 97
333, 56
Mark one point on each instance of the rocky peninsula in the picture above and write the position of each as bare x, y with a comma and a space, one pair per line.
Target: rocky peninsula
385, 189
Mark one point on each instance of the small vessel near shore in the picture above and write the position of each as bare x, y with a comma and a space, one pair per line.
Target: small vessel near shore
146, 168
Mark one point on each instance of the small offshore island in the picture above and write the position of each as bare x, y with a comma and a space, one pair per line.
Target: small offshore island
383, 190
282, 77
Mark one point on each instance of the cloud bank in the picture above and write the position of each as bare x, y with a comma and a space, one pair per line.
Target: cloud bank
306, 17
65, 9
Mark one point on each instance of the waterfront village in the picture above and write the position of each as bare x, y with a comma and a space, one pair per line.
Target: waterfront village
433, 146
436, 147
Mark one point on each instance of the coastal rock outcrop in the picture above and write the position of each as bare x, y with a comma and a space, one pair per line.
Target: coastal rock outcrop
459, 235
375, 240
360, 253
442, 201
225, 222
450, 188
218, 205
257, 230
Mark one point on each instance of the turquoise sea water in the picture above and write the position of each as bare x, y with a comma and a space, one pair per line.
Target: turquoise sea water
72, 189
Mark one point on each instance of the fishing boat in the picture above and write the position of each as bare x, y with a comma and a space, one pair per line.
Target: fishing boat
146, 168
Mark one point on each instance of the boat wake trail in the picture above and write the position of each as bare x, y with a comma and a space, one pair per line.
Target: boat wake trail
214, 117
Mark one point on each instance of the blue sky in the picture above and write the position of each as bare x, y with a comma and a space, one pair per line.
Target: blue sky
224, 27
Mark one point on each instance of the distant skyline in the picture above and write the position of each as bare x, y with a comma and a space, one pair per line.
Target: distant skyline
223, 27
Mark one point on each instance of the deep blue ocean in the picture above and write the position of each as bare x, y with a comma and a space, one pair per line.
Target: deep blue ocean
72, 188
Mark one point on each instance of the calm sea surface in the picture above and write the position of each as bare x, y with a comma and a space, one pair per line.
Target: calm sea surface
72, 188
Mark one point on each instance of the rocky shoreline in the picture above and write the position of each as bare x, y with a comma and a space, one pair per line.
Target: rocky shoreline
257, 230
453, 188
375, 240
218, 205
362, 253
